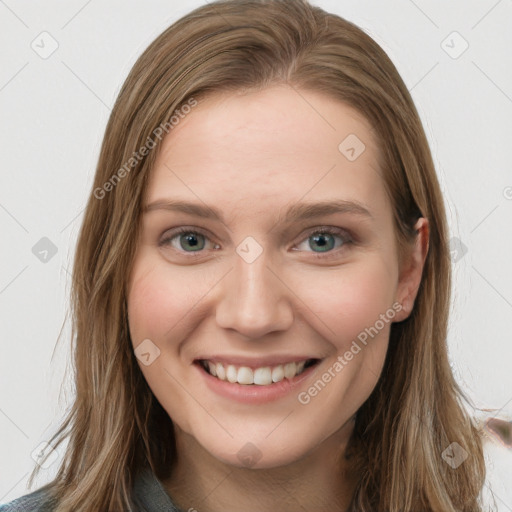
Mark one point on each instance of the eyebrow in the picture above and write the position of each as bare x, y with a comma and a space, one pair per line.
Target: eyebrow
297, 212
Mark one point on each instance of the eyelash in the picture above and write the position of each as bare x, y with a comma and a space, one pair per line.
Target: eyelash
346, 237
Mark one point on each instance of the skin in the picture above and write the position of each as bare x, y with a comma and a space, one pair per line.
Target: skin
252, 156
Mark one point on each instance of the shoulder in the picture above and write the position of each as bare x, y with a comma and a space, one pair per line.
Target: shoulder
37, 501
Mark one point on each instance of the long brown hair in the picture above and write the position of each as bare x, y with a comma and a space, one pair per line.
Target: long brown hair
116, 426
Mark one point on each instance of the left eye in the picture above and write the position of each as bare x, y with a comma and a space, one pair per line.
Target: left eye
324, 239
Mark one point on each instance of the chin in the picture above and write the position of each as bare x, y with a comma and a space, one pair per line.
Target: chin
257, 454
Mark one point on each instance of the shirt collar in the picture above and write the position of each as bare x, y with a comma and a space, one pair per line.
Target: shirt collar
150, 494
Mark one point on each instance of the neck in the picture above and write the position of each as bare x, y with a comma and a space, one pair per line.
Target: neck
319, 481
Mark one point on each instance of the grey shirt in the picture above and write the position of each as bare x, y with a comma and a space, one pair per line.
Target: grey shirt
148, 494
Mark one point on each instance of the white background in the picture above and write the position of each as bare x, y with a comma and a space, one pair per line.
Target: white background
53, 115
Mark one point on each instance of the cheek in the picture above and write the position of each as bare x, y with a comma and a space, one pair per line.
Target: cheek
351, 298
158, 299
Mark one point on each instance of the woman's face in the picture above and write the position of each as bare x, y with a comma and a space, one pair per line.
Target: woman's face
259, 291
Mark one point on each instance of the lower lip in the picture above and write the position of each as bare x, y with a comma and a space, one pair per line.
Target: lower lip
254, 393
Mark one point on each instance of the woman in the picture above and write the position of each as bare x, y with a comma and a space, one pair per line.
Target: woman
250, 373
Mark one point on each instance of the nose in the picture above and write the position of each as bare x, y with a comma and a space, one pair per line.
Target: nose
254, 299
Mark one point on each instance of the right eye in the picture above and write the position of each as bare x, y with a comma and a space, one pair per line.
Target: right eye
183, 238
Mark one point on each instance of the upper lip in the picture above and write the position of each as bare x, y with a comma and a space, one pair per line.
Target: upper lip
255, 362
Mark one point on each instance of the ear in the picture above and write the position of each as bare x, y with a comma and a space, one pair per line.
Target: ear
411, 270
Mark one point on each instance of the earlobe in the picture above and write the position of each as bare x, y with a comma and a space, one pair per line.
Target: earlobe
412, 270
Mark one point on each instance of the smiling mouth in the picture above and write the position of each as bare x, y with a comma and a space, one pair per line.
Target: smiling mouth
262, 376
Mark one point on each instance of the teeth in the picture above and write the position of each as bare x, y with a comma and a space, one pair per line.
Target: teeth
278, 373
220, 372
263, 376
290, 369
245, 376
260, 376
212, 368
231, 373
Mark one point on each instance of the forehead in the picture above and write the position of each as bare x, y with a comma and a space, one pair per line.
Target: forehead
265, 149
